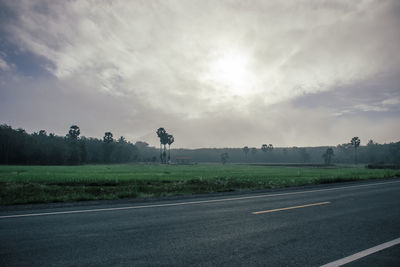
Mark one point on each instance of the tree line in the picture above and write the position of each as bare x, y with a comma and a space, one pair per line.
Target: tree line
19, 147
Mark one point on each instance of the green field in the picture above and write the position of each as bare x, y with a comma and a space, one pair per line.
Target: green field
33, 184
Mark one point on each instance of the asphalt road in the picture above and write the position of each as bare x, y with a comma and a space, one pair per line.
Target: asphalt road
211, 231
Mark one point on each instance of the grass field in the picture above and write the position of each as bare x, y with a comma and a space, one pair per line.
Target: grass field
33, 184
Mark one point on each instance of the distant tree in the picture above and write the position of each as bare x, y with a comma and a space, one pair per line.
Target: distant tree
42, 133
164, 142
72, 136
171, 139
108, 137
107, 146
371, 143
355, 142
266, 148
122, 140
74, 132
224, 157
246, 150
328, 155
253, 150
163, 135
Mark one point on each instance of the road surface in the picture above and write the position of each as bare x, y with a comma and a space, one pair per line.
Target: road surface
309, 226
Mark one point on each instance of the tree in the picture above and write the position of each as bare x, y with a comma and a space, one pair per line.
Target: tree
328, 155
162, 134
164, 142
355, 142
72, 136
246, 150
42, 133
371, 143
224, 157
74, 132
170, 141
108, 137
266, 148
107, 146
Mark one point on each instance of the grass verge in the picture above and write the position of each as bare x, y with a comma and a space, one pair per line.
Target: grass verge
38, 184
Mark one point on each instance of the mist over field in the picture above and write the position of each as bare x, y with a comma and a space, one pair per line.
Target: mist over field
214, 73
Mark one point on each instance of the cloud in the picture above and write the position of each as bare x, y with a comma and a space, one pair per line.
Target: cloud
4, 66
221, 71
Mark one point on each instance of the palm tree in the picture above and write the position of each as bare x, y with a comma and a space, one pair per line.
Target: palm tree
246, 150
355, 142
161, 134
266, 147
107, 146
170, 141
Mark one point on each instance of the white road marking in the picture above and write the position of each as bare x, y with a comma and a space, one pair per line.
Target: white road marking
192, 202
363, 253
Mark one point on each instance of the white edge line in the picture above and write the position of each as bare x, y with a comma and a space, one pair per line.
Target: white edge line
190, 202
363, 253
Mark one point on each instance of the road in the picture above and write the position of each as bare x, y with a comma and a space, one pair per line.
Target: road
309, 226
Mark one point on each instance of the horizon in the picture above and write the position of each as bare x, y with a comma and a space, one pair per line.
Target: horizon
214, 74
155, 146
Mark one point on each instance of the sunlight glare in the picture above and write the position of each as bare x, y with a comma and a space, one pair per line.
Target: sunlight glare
229, 73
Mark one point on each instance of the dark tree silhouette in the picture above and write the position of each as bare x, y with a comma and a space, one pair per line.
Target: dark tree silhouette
355, 142
246, 150
74, 132
266, 148
19, 147
170, 141
72, 136
108, 137
42, 133
107, 146
164, 142
161, 133
328, 155
164, 139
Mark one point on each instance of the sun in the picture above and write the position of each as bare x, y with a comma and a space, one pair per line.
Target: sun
229, 73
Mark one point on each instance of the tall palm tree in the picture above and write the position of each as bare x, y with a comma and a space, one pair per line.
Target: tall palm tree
161, 134
246, 150
355, 142
170, 141
266, 147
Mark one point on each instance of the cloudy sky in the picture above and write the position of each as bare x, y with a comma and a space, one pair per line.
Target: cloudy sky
213, 73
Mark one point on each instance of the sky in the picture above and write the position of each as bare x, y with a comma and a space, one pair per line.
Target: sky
212, 73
